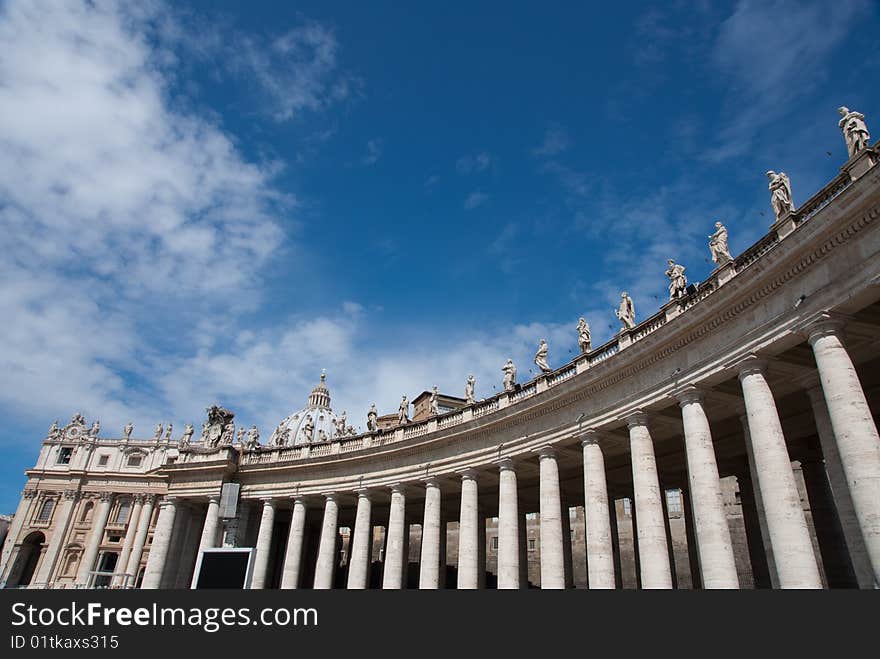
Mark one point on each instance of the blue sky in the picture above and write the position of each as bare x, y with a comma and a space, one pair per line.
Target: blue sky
210, 202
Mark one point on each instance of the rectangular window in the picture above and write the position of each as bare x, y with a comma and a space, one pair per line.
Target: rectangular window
627, 507
531, 544
495, 543
123, 512
102, 461
46, 510
64, 455
134, 460
673, 501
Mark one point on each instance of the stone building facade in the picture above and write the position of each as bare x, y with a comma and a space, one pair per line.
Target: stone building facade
728, 440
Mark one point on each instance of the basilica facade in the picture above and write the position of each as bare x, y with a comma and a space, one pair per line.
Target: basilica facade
728, 440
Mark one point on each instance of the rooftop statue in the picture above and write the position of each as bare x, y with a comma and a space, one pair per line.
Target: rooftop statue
157, 434
54, 431
509, 375
308, 429
340, 425
403, 411
541, 357
855, 130
677, 281
95, 429
626, 312
584, 338
718, 245
187, 436
469, 394
78, 419
435, 405
126, 431
240, 436
168, 432
780, 193
228, 434
372, 416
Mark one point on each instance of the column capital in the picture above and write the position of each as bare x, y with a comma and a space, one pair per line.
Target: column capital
822, 324
301, 499
329, 496
71, 495
469, 473
398, 488
636, 418
171, 502
29, 493
687, 394
106, 496
590, 436
364, 492
214, 498
751, 365
505, 464
545, 451
431, 481
271, 502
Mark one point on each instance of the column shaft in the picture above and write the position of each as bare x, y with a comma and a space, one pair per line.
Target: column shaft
552, 546
161, 543
211, 526
429, 563
359, 559
468, 534
128, 543
264, 545
600, 550
140, 539
293, 552
508, 528
786, 525
325, 567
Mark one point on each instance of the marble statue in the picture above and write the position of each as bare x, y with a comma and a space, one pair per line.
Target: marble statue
322, 436
277, 438
309, 429
350, 431
718, 245
340, 425
253, 437
372, 418
228, 433
509, 375
435, 405
157, 434
54, 430
78, 419
168, 432
403, 411
855, 130
469, 394
204, 436
541, 357
626, 312
780, 193
126, 432
677, 281
584, 338
95, 429
240, 436
187, 435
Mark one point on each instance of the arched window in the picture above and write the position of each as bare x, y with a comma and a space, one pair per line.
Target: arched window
88, 508
123, 512
46, 508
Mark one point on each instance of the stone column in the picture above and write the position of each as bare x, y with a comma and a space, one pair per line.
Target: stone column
651, 530
211, 526
325, 566
710, 521
754, 537
62, 516
600, 551
432, 538
664, 501
691, 537
395, 542
264, 545
128, 543
22, 513
552, 546
359, 556
855, 432
840, 490
615, 541
161, 543
468, 533
140, 539
792, 547
508, 527
96, 535
293, 552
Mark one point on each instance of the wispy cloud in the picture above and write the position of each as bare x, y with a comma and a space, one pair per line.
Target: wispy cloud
474, 163
374, 152
555, 141
475, 199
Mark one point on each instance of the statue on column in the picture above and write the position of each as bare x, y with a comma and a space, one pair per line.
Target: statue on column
253, 439
228, 433
403, 411
78, 419
435, 404
780, 193
168, 432
677, 281
469, 394
95, 429
372, 418
340, 425
718, 245
509, 375
541, 357
157, 434
54, 431
240, 436
855, 130
126, 431
187, 436
584, 338
626, 311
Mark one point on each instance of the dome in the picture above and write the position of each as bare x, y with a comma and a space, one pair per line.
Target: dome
294, 430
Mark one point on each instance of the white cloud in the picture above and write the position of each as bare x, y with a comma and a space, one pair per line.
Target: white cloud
474, 163
555, 141
374, 152
475, 199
